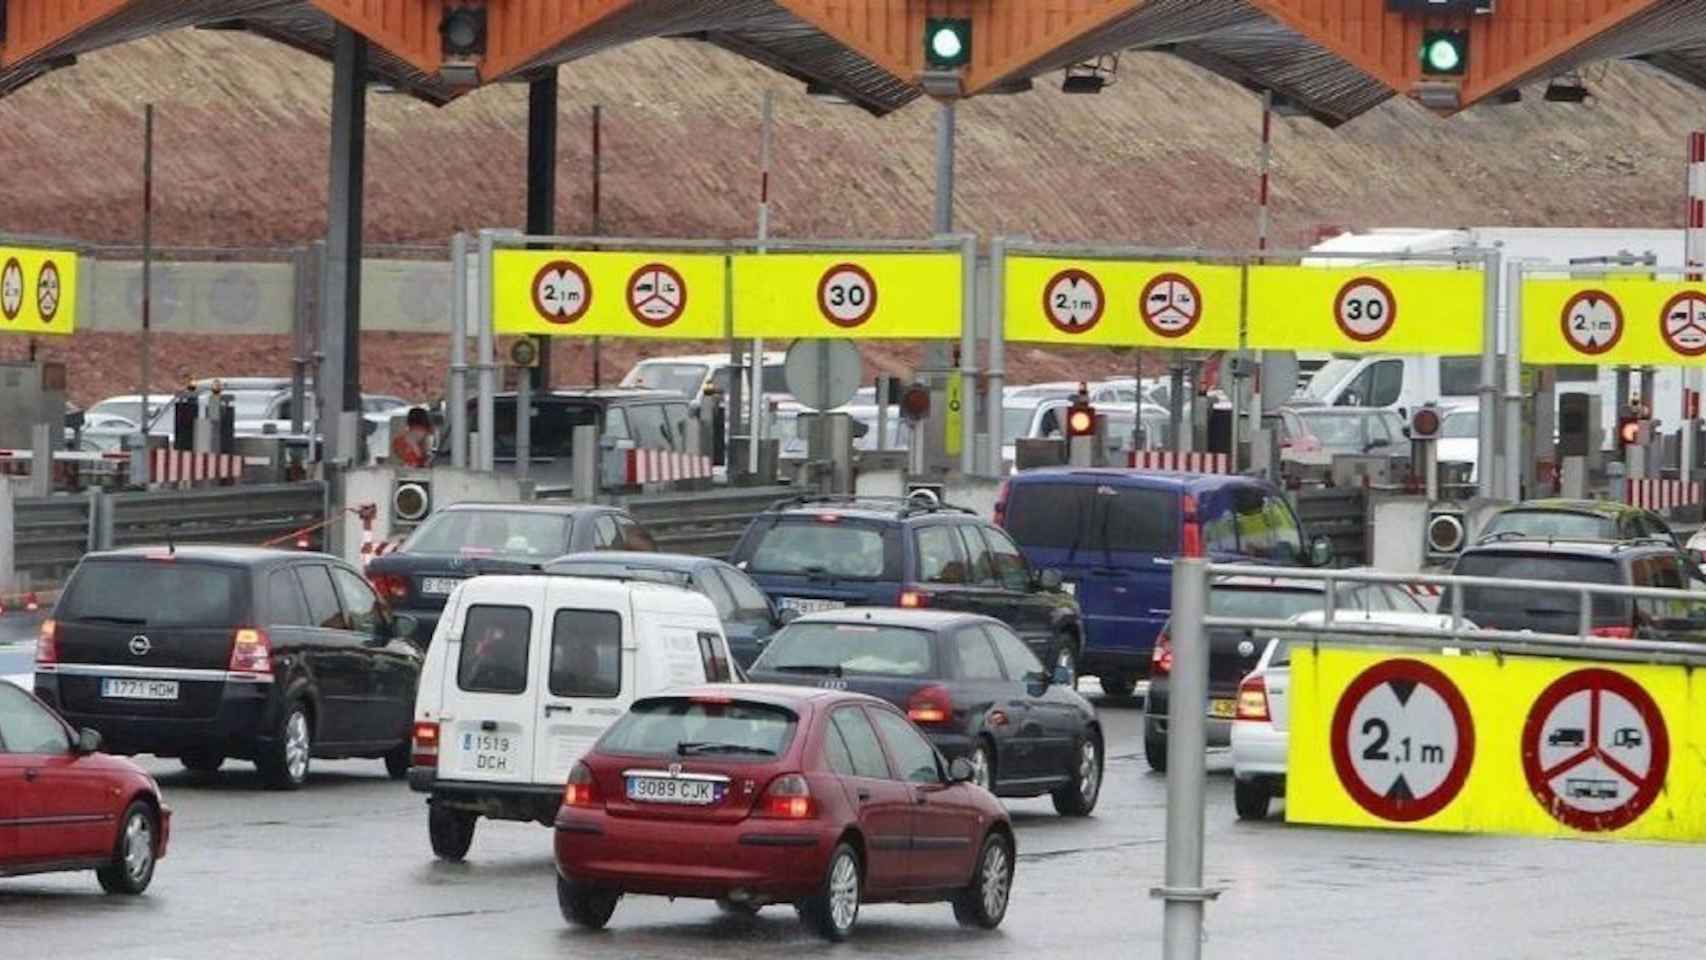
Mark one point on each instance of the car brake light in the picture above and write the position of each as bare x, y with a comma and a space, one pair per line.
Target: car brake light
1190, 541
47, 643
789, 797
1001, 504
1161, 658
390, 585
250, 652
914, 599
426, 744
933, 704
829, 518
1253, 699
582, 788
1613, 633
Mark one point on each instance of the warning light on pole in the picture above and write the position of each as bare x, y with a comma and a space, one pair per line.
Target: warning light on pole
1445, 53
1628, 431
947, 43
1425, 423
1081, 416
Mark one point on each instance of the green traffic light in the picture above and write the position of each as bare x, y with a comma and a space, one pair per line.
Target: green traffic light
1443, 56
947, 42
1445, 52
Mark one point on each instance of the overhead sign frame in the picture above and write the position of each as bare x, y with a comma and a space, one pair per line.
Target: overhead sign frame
1620, 314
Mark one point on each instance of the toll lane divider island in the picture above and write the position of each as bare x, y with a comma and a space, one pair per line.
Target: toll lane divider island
1496, 744
38, 291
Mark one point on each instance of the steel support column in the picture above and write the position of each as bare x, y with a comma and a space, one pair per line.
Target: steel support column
341, 300
542, 185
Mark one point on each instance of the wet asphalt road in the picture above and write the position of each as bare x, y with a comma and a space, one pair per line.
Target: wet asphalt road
342, 870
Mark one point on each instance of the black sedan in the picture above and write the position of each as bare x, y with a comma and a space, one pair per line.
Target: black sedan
747, 615
467, 539
967, 681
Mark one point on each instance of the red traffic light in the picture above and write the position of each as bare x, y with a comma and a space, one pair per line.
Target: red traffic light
1628, 431
1424, 424
915, 402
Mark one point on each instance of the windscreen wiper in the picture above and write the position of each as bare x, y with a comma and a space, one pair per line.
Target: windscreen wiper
688, 748
123, 621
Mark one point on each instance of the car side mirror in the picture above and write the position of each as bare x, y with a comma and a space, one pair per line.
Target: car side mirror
1062, 677
787, 616
404, 627
960, 771
1321, 552
88, 741
1049, 579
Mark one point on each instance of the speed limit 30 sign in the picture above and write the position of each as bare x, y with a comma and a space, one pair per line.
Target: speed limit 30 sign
1365, 309
847, 295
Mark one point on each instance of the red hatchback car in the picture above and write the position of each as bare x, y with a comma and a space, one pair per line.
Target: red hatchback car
752, 795
63, 806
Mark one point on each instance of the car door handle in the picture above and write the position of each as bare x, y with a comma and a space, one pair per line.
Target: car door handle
30, 775
551, 708
864, 796
488, 726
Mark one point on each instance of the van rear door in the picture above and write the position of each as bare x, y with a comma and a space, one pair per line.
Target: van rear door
492, 681
586, 676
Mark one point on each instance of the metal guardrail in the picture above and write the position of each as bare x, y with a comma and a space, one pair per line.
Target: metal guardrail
50, 535
1341, 515
707, 524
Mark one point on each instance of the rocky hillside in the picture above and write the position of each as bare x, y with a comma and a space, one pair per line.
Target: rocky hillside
1165, 156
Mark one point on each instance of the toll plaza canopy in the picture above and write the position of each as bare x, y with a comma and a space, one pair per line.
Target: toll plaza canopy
1332, 60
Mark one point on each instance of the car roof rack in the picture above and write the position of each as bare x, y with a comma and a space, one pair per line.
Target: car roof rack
901, 506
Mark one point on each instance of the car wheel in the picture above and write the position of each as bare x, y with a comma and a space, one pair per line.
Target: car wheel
202, 764
1250, 798
1155, 751
1078, 798
585, 906
1119, 685
451, 831
132, 866
739, 908
984, 903
1066, 655
284, 764
397, 761
982, 762
834, 908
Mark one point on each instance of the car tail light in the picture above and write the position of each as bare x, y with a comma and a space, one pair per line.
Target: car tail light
1253, 699
1613, 633
933, 704
1190, 541
1161, 658
789, 797
390, 585
1001, 504
914, 599
250, 652
426, 745
47, 643
582, 788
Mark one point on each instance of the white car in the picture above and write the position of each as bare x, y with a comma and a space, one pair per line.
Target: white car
1259, 728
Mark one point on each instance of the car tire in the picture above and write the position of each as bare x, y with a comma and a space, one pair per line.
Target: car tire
1078, 797
132, 866
984, 903
739, 908
451, 831
585, 906
1155, 751
202, 764
1066, 655
1120, 685
397, 761
982, 759
833, 910
1250, 798
284, 763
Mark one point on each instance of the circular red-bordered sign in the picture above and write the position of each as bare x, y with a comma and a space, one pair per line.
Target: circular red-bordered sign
1170, 305
48, 291
847, 295
1365, 309
1682, 323
657, 296
1073, 301
1414, 742
1592, 322
562, 292
11, 289
1595, 750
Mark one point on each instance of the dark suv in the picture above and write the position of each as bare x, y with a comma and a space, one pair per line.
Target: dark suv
204, 653
1641, 563
823, 553
626, 419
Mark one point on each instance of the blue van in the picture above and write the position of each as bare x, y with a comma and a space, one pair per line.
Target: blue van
1112, 534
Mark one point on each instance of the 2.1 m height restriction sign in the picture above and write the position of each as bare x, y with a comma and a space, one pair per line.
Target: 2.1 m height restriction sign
1402, 740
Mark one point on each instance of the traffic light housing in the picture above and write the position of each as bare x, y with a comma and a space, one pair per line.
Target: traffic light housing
947, 42
1445, 53
1628, 431
1425, 423
1080, 419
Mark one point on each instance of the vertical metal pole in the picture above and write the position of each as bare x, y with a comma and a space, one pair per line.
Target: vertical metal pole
147, 272
1486, 443
542, 186
1694, 255
1176, 403
341, 303
299, 324
597, 221
523, 426
484, 415
968, 356
945, 123
755, 421
1182, 890
998, 352
458, 398
1513, 383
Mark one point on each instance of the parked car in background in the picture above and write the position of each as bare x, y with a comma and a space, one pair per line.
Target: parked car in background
627, 419
1639, 563
1232, 653
67, 806
464, 539
824, 553
1315, 435
1399, 383
526, 672
1112, 534
204, 653
1460, 438
747, 614
968, 683
750, 796
688, 376
1561, 519
1045, 416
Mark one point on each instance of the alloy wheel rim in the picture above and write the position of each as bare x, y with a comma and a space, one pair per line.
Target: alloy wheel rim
980, 767
996, 880
844, 892
296, 746
1089, 771
138, 847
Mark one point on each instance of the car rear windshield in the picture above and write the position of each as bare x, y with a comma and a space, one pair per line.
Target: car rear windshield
736, 730
1551, 525
156, 593
844, 648
492, 532
1541, 610
826, 545
1262, 603
1093, 517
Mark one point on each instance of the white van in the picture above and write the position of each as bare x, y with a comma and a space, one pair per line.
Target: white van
525, 673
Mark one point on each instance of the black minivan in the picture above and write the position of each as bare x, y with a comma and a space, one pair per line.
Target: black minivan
204, 653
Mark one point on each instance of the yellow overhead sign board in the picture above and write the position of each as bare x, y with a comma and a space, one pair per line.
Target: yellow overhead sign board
1366, 310
1485, 744
1121, 303
572, 293
860, 296
38, 291
1613, 321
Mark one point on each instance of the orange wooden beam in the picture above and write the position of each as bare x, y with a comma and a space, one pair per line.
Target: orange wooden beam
406, 28
519, 31
33, 26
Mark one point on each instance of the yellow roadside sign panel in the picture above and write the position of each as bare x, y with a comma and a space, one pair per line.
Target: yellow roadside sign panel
860, 296
1121, 303
1366, 310
38, 291
1613, 321
574, 293
1485, 744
